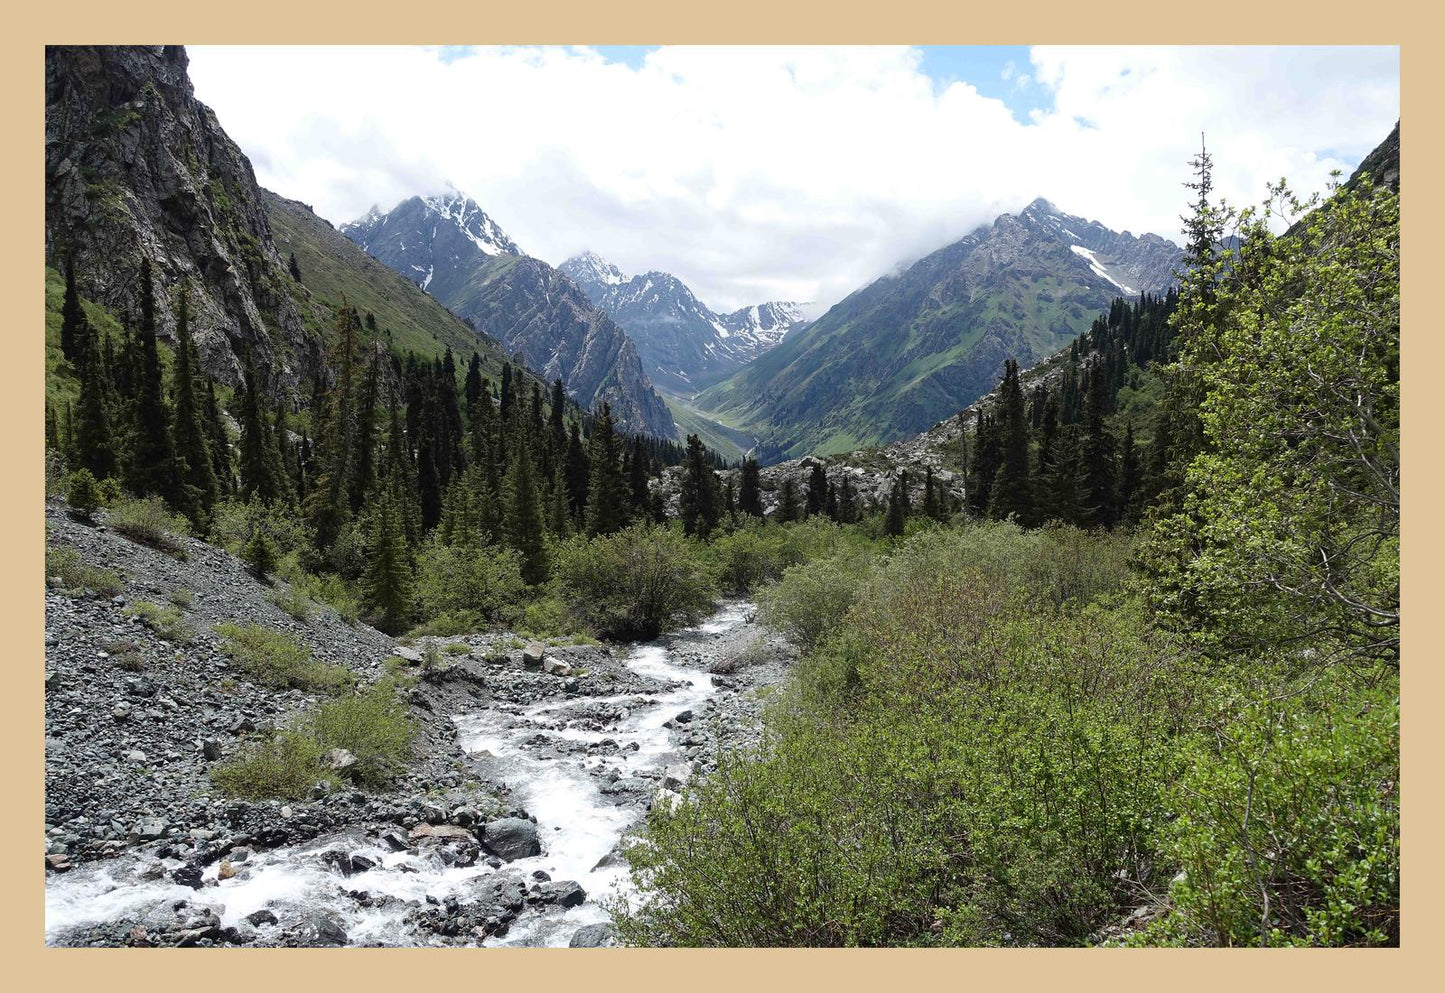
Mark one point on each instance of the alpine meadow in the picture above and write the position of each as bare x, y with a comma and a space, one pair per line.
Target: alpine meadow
964, 572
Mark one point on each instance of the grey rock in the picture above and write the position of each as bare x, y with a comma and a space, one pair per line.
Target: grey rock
511, 838
594, 936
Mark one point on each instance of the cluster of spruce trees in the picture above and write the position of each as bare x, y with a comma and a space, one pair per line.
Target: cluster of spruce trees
391, 450
128, 424
1052, 455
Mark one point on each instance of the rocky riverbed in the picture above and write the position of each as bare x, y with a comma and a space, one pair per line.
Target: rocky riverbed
504, 829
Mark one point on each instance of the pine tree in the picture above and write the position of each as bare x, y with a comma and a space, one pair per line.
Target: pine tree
260, 553
817, 490
74, 328
198, 472
473, 388
639, 497
293, 268
1100, 472
523, 522
1065, 483
386, 581
1130, 478
559, 508
789, 508
151, 460
1011, 494
93, 444
577, 473
698, 503
847, 502
897, 517
750, 500
606, 510
329, 500
364, 451
218, 443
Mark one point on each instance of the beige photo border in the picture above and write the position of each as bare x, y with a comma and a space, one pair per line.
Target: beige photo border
30, 27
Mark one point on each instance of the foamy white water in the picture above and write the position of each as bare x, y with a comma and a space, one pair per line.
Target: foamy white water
577, 826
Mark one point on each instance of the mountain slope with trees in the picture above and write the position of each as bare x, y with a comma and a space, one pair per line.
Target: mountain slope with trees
447, 245
914, 347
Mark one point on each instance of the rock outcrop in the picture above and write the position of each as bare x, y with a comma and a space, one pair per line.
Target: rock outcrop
136, 167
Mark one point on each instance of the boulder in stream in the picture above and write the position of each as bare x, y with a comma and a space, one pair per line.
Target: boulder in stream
511, 838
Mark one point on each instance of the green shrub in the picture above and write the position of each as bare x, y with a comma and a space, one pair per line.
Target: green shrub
285, 766
958, 765
457, 648
260, 554
180, 598
331, 589
164, 621
82, 494
235, 522
810, 600
1287, 823
276, 659
292, 600
485, 583
373, 725
634, 583
147, 521
548, 617
76, 576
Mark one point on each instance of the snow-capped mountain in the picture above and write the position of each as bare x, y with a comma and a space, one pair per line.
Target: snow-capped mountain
451, 248
684, 345
424, 237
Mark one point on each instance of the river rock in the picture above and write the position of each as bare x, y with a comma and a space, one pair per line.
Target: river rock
511, 838
439, 831
594, 936
565, 894
556, 667
338, 759
533, 654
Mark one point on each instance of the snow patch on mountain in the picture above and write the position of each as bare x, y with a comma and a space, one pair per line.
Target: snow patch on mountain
1099, 270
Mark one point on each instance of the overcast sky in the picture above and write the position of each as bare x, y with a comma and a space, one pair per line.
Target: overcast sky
783, 172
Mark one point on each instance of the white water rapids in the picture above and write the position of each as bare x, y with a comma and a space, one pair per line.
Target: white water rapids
576, 824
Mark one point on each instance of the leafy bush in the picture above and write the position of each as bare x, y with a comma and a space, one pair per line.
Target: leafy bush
634, 583
77, 576
284, 766
235, 522
457, 648
82, 494
485, 583
276, 659
1288, 826
332, 590
180, 598
956, 766
290, 599
810, 600
373, 725
147, 521
164, 621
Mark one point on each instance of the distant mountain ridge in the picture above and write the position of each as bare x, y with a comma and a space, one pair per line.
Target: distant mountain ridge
909, 349
450, 247
685, 346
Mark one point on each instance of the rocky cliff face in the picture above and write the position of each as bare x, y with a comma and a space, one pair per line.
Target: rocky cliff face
915, 346
451, 248
136, 167
684, 345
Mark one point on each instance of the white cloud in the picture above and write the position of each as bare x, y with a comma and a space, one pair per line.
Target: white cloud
772, 172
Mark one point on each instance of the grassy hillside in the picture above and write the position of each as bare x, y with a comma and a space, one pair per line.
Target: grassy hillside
729, 442
334, 270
